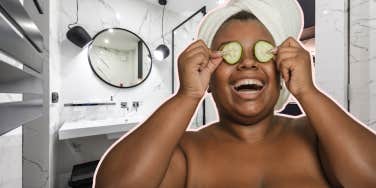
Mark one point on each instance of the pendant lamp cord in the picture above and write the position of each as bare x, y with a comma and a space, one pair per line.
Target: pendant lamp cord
70, 25
163, 12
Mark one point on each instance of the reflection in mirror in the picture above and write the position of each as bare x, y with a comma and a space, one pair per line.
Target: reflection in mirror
120, 58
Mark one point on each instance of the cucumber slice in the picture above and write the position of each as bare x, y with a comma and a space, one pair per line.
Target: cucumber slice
232, 52
262, 51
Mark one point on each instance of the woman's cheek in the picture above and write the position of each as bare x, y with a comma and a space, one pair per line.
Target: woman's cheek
273, 76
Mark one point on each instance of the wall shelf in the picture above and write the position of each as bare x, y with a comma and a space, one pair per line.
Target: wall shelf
14, 114
91, 104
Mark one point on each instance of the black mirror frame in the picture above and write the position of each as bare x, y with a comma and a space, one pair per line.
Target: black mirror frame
117, 28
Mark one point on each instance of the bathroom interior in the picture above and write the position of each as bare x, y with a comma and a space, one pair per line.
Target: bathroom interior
76, 75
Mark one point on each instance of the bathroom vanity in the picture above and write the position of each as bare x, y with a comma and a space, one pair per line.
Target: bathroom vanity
113, 128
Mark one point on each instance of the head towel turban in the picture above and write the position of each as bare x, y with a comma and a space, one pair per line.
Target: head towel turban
282, 18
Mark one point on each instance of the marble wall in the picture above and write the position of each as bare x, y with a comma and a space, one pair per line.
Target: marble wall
79, 83
11, 150
73, 78
55, 109
372, 67
11, 159
36, 140
363, 61
331, 48
24, 151
47, 162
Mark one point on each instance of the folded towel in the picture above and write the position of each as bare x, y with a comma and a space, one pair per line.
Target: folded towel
283, 18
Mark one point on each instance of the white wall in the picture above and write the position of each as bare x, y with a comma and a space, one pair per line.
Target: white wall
363, 61
11, 150
331, 48
55, 109
11, 159
24, 152
73, 78
36, 151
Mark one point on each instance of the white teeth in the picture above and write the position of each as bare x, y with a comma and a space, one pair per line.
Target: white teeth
248, 82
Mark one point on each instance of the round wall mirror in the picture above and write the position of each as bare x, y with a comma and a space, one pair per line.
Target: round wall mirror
120, 58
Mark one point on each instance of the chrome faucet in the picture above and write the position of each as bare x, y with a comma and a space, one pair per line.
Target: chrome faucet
135, 105
124, 105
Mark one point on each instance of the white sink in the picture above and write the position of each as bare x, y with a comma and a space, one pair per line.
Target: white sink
98, 127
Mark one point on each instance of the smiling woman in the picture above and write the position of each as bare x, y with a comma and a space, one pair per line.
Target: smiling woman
235, 98
250, 145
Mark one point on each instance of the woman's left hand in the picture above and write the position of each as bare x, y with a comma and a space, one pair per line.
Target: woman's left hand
294, 64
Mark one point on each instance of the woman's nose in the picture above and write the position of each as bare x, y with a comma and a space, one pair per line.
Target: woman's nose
248, 62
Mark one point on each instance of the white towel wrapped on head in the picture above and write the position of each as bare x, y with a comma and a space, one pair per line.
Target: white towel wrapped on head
282, 18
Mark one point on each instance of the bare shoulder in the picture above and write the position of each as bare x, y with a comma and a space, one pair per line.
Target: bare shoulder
196, 137
301, 126
176, 174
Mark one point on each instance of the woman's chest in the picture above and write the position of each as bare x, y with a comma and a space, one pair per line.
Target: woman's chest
285, 164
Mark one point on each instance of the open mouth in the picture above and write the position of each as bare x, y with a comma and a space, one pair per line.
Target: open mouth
249, 85
248, 89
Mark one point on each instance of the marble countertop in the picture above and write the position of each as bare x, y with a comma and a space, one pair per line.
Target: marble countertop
85, 128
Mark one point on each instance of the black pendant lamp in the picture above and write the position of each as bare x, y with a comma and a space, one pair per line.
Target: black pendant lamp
77, 34
162, 51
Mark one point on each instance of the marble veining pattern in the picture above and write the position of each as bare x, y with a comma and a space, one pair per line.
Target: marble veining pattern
11, 159
144, 19
35, 155
36, 134
362, 61
145, 22
331, 25
11, 142
78, 83
41, 174
372, 80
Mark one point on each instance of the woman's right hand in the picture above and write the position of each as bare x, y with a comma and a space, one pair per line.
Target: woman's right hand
195, 65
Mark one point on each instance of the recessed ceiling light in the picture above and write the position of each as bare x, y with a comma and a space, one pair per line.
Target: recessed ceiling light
106, 41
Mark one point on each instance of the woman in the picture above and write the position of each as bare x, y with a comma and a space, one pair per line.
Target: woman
250, 145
